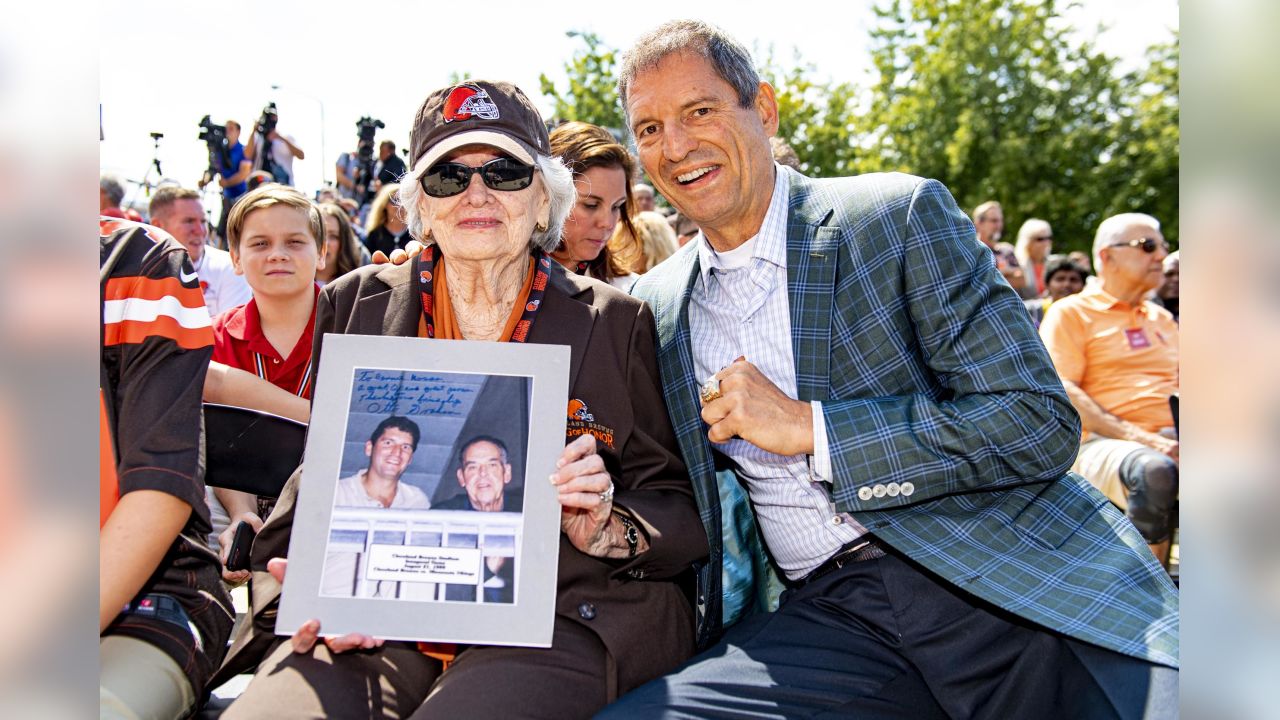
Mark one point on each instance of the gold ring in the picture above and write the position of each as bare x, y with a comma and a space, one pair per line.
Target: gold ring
710, 391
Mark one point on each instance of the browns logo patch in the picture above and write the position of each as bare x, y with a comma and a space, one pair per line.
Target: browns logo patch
581, 421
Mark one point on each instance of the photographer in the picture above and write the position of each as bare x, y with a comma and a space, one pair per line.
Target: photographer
282, 150
357, 171
347, 173
228, 163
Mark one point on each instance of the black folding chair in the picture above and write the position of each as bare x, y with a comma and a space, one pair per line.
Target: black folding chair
250, 450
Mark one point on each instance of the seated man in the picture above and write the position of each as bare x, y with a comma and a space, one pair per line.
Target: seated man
1117, 355
277, 243
163, 616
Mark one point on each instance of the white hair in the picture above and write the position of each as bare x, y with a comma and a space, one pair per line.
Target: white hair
1110, 230
556, 179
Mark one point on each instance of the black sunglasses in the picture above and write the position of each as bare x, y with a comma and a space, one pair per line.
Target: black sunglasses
450, 178
1147, 244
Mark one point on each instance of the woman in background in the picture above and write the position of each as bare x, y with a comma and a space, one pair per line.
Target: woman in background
386, 227
648, 241
1035, 242
602, 171
342, 248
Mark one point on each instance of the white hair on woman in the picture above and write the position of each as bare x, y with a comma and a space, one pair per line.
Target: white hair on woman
556, 178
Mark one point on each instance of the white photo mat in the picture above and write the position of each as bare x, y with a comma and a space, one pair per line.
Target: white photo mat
406, 558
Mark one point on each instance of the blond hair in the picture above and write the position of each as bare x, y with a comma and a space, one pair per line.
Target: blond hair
378, 210
264, 196
652, 242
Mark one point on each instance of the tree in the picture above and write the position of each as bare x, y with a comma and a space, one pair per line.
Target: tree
1141, 170
991, 98
815, 118
592, 95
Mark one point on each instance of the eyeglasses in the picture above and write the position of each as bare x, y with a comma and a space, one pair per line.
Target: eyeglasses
1147, 244
450, 178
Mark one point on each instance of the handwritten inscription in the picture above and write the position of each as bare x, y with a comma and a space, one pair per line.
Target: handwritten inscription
402, 392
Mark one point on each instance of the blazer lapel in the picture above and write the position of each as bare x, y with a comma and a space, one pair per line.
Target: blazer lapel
812, 247
680, 386
563, 320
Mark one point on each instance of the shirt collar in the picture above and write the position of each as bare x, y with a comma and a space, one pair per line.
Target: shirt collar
769, 244
1094, 295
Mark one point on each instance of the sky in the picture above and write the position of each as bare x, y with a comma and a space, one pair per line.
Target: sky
167, 64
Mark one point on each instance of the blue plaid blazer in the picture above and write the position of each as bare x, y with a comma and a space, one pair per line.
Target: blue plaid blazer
930, 372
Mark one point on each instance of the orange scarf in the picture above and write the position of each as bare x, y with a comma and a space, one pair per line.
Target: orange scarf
447, 329
447, 323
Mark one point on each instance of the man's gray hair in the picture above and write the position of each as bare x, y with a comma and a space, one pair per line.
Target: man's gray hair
1110, 230
556, 179
111, 185
732, 61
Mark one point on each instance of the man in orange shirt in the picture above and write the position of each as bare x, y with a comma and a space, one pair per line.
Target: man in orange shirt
1117, 355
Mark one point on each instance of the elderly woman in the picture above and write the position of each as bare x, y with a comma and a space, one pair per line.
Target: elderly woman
489, 201
602, 171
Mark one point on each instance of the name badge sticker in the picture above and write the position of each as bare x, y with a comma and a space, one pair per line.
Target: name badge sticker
1137, 339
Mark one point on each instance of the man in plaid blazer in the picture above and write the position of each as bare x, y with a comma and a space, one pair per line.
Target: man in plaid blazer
880, 395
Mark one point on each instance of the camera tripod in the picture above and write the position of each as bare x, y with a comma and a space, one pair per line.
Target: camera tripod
145, 184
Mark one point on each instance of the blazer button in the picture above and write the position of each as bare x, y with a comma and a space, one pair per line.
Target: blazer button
864, 493
587, 611
892, 489
908, 488
879, 490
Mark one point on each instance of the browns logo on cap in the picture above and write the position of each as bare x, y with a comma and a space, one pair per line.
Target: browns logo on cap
477, 112
466, 101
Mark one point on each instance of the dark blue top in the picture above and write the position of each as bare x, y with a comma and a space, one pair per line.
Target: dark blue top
236, 156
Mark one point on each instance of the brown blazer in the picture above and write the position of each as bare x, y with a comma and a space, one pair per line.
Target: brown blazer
637, 607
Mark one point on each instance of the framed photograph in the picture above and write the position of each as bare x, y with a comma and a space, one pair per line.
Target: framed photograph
424, 512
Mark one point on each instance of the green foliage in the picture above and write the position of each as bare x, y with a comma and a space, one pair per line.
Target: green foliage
989, 97
815, 118
592, 95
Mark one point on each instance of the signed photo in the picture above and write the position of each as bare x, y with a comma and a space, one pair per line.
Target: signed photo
414, 512
431, 485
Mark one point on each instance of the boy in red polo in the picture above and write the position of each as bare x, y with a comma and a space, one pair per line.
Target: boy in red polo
276, 238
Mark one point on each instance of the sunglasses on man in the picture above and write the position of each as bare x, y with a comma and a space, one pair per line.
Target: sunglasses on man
1148, 245
450, 178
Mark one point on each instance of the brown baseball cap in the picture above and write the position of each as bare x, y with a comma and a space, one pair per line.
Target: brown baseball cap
477, 112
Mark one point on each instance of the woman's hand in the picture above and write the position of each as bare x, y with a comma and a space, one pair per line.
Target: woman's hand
586, 496
305, 638
398, 256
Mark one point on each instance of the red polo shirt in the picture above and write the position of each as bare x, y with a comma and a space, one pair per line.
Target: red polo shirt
238, 342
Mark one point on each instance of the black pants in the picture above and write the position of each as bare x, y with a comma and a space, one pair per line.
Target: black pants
886, 639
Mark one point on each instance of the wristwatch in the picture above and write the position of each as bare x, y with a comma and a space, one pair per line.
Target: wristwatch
630, 533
